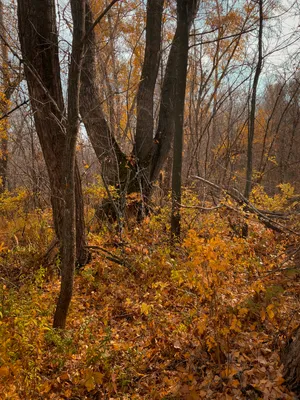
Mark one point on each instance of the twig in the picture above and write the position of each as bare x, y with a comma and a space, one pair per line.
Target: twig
111, 257
14, 109
202, 208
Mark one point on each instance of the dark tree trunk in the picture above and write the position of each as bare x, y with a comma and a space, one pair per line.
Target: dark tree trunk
69, 220
165, 131
251, 129
150, 153
185, 10
291, 362
166, 123
39, 44
145, 94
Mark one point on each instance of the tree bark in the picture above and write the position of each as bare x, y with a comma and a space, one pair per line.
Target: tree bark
39, 45
108, 152
251, 132
166, 124
3, 107
145, 94
291, 361
149, 153
185, 9
69, 220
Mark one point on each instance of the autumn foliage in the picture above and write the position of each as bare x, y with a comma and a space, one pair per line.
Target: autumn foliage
203, 320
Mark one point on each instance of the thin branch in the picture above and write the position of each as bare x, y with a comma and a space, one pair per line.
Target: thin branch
14, 109
98, 19
222, 38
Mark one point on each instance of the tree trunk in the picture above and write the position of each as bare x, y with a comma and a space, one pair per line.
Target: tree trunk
185, 9
3, 107
8, 86
39, 44
291, 361
107, 150
166, 123
69, 220
150, 153
145, 94
251, 132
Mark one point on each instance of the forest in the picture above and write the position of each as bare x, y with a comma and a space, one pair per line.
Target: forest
149, 199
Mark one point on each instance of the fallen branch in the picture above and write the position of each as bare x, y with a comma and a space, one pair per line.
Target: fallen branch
111, 257
266, 217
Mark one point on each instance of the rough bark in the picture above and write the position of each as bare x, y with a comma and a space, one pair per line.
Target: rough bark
39, 45
166, 124
185, 10
107, 150
145, 94
68, 166
149, 153
291, 361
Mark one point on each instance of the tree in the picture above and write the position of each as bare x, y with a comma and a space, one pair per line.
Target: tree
8, 85
39, 45
68, 167
185, 15
251, 131
137, 171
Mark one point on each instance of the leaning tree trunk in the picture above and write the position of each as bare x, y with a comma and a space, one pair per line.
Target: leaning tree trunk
149, 152
166, 124
72, 128
107, 150
145, 94
291, 362
39, 44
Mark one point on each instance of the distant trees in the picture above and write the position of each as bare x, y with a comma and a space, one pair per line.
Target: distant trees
8, 85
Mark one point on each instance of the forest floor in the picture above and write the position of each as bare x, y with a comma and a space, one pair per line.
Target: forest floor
205, 319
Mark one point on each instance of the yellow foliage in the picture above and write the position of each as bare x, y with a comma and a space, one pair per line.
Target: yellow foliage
279, 202
205, 304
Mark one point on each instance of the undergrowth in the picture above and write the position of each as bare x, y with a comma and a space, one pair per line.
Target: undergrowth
204, 320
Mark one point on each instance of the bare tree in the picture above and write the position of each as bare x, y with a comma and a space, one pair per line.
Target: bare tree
251, 129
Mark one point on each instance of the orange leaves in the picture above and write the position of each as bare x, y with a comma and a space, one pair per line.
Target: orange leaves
4, 371
91, 379
201, 323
